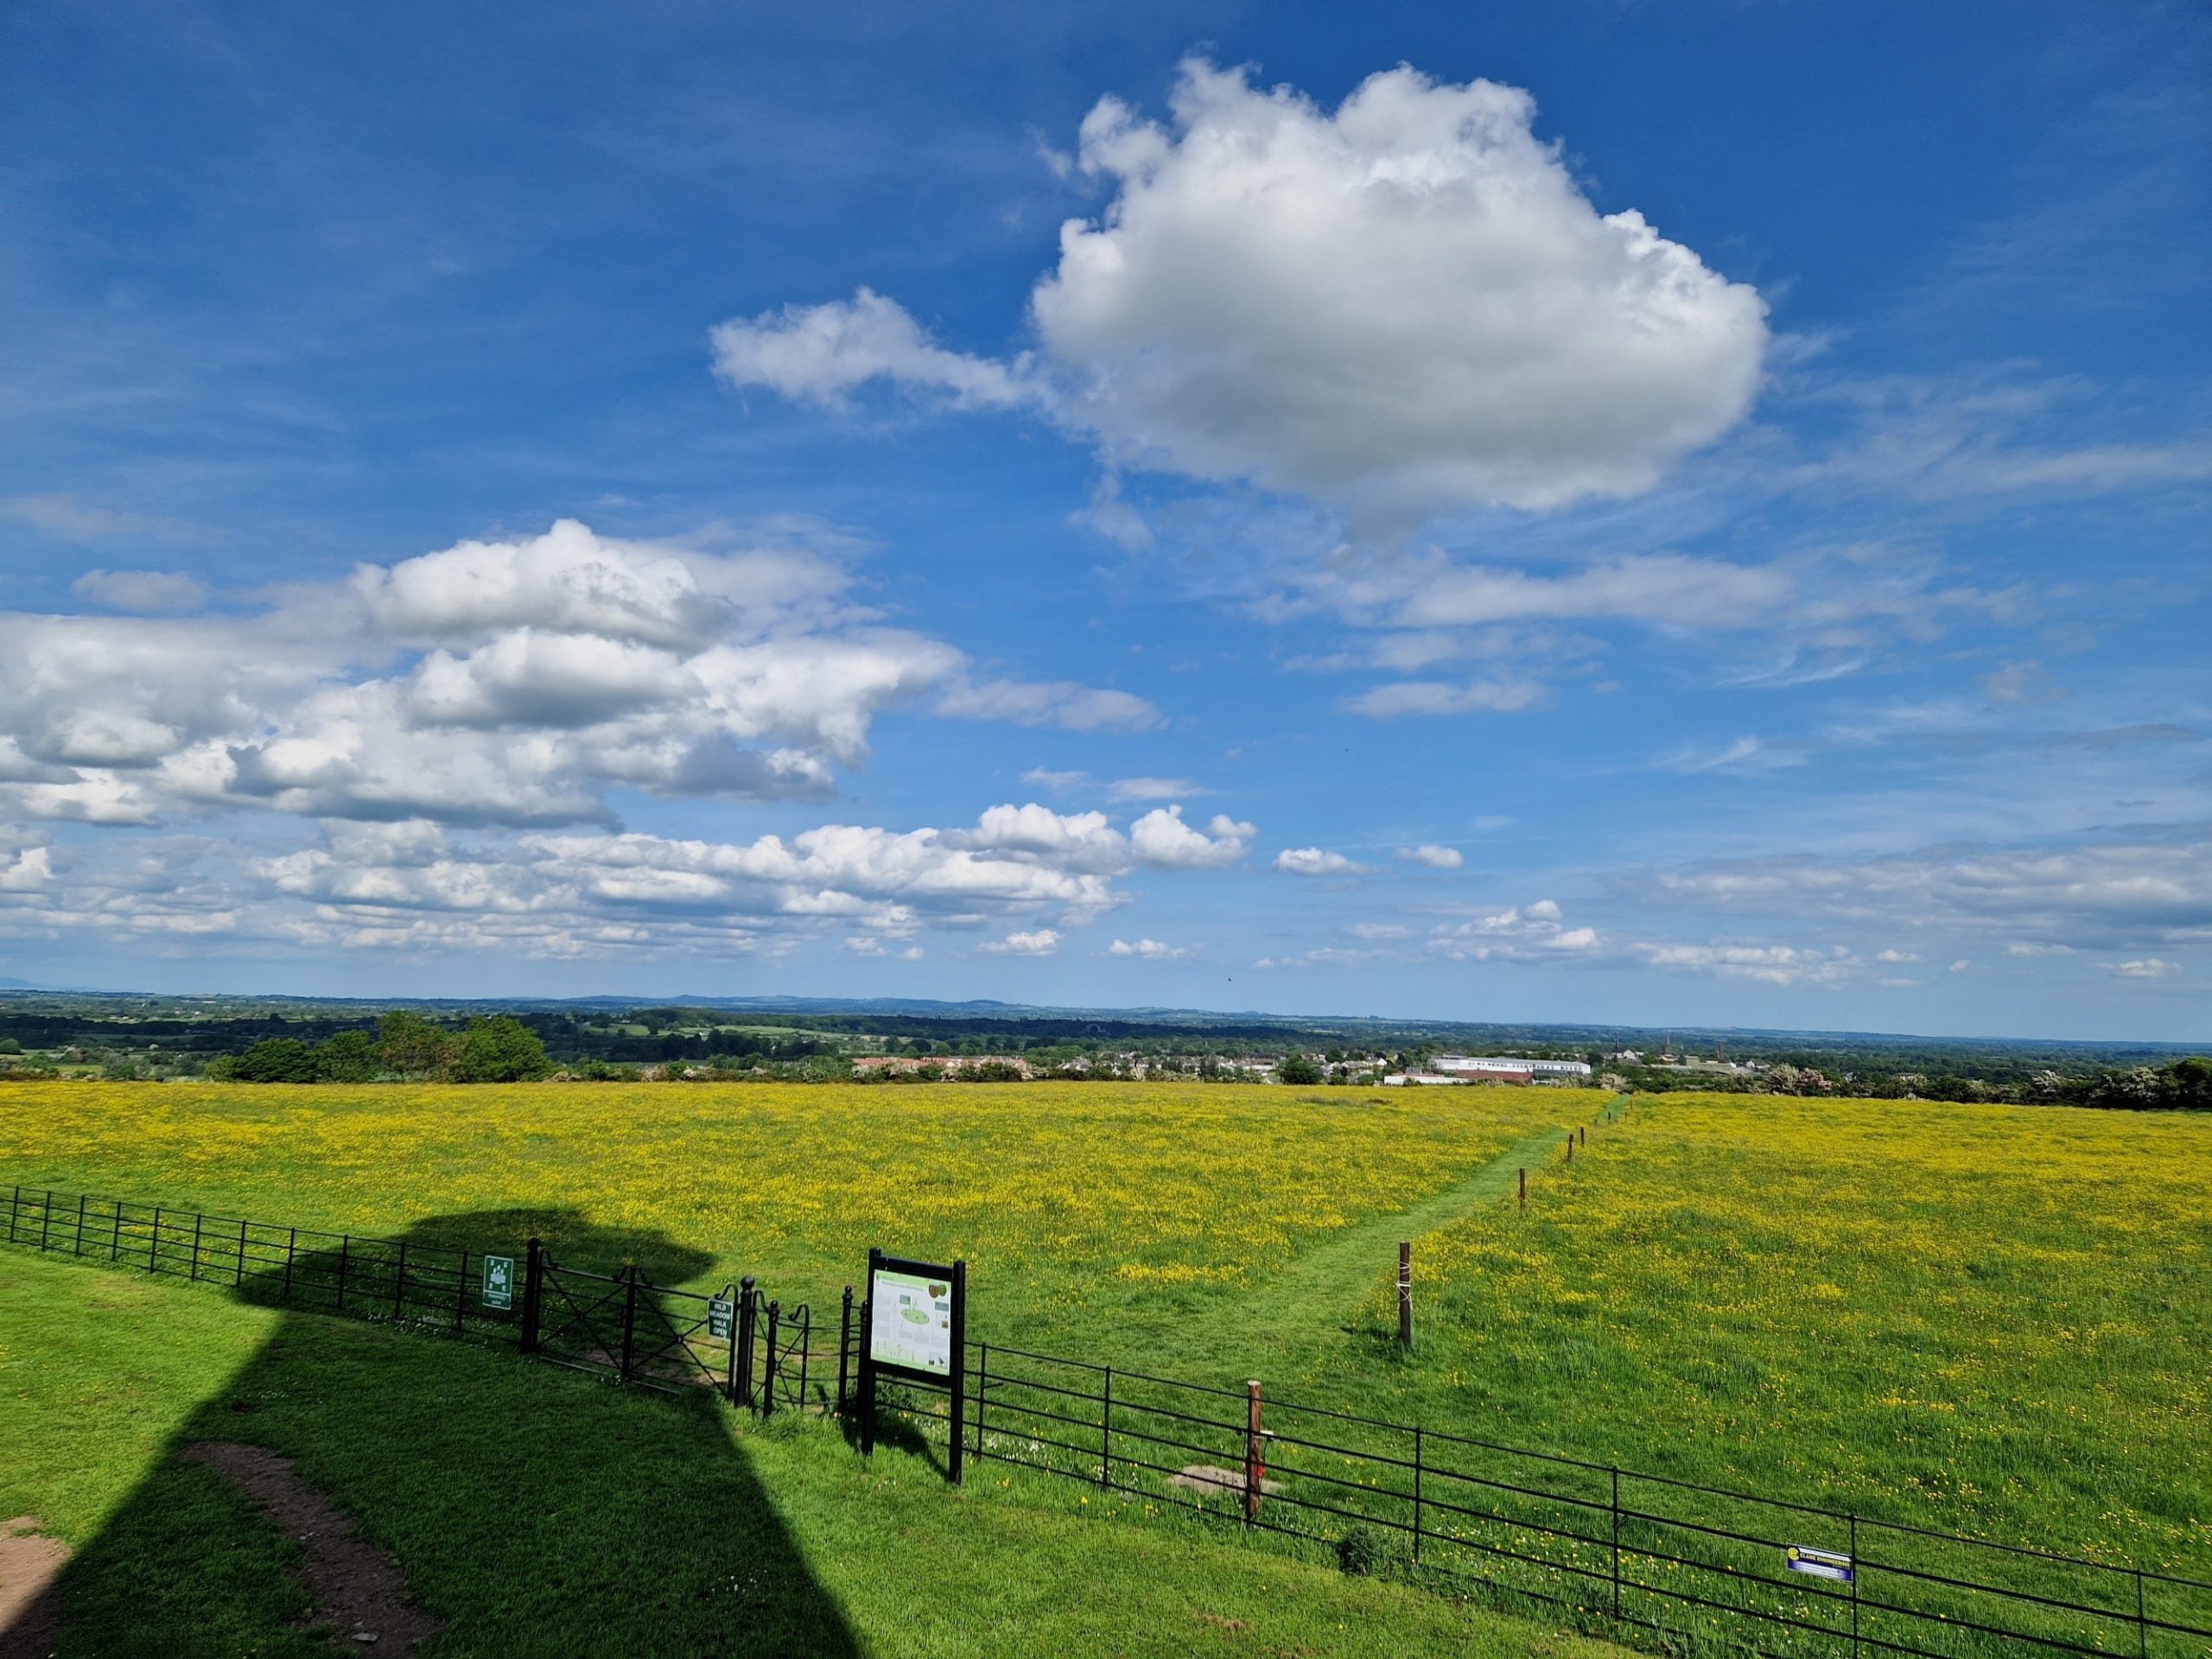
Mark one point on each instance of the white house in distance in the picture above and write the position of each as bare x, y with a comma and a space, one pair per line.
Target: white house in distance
1495, 1069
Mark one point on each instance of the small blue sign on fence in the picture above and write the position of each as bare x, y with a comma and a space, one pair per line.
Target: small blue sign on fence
1818, 1563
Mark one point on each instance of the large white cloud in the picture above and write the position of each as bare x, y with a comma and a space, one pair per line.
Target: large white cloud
1406, 305
1402, 306
2117, 894
419, 884
513, 682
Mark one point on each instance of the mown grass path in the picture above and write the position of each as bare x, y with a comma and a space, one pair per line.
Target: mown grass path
1312, 1304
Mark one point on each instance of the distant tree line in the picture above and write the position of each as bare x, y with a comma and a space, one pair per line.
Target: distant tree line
2179, 1085
488, 1049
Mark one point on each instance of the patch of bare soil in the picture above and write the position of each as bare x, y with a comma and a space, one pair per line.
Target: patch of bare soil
30, 1610
357, 1592
1209, 1481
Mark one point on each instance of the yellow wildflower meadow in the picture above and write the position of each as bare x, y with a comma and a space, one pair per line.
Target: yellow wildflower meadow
1058, 1195
1985, 1319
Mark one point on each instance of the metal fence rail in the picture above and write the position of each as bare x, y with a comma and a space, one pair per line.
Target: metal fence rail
1644, 1551
263, 1261
1635, 1551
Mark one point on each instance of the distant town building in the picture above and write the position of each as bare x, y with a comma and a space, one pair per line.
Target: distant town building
951, 1065
1507, 1069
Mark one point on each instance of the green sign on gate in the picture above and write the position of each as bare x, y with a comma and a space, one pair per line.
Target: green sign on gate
499, 1281
721, 1319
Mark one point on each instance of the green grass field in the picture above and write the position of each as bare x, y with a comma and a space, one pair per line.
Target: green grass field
540, 1512
1988, 1320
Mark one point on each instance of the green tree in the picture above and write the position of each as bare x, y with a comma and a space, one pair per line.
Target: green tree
1296, 1068
276, 1059
350, 1057
2190, 1084
499, 1050
412, 1046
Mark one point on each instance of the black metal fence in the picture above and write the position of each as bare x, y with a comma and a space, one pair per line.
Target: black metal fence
340, 1273
1689, 1562
1674, 1557
763, 1355
739, 1341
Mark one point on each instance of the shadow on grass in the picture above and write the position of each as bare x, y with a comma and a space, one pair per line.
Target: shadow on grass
533, 1510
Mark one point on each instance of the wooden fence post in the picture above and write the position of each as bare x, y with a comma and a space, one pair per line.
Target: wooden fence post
399, 1284
238, 1277
1255, 1468
1524, 1188
199, 1221
78, 1248
1405, 1294
344, 1258
1106, 1432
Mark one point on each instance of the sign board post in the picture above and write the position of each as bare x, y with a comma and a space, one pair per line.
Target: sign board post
916, 1332
499, 1282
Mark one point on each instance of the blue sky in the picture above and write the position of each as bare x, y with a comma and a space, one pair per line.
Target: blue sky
1654, 513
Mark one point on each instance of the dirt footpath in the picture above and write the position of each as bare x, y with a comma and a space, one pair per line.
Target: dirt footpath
357, 1590
30, 1612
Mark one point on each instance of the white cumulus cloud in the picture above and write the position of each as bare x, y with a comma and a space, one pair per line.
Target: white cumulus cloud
1041, 942
1404, 304
822, 354
1435, 857
1150, 949
1401, 305
1314, 860
1162, 839
517, 682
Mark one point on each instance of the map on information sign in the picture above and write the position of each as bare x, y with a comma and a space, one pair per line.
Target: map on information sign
910, 1322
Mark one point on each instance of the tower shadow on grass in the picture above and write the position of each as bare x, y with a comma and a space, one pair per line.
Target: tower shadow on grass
532, 1511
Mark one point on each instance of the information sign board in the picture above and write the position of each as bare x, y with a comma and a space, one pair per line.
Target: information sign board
1817, 1563
499, 1281
917, 1330
721, 1319
910, 1320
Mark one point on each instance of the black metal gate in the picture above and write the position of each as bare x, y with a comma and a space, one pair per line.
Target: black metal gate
753, 1351
619, 1326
